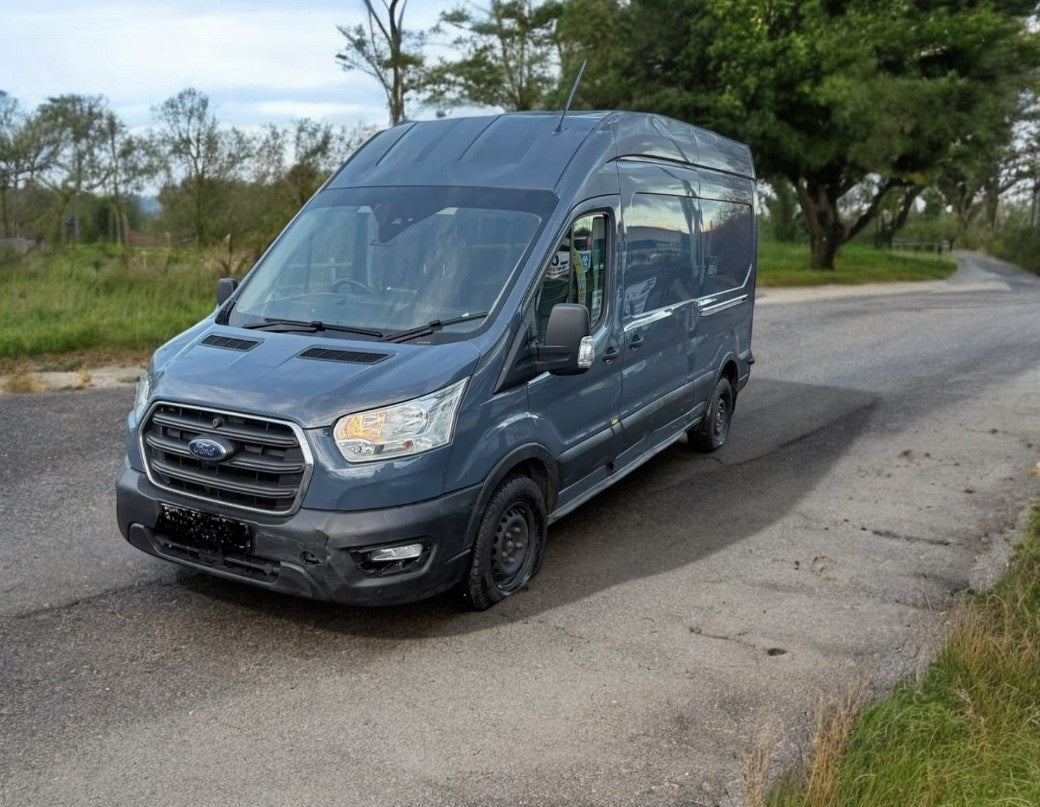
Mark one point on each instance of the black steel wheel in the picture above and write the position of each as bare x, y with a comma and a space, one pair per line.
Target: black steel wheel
711, 433
510, 540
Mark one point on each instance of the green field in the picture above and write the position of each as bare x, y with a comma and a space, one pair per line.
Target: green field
781, 264
968, 733
102, 300
79, 306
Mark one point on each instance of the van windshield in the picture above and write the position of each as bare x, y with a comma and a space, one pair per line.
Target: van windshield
390, 260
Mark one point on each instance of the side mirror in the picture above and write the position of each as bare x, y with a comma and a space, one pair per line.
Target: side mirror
568, 348
225, 288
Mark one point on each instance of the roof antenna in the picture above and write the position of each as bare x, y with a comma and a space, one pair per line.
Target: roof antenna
574, 89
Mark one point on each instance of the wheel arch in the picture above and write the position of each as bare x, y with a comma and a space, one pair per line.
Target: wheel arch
531, 459
730, 370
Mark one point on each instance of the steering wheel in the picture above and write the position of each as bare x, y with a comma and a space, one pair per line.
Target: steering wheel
339, 283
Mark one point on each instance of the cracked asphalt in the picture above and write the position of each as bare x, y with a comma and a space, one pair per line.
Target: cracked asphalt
878, 461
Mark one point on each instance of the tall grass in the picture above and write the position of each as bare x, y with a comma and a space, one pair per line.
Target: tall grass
968, 733
79, 298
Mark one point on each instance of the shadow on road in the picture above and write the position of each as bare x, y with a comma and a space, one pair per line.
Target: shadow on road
671, 512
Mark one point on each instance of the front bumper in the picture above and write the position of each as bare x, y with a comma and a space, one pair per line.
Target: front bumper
312, 553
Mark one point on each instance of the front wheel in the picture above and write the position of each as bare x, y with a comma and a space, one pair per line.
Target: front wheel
710, 434
510, 540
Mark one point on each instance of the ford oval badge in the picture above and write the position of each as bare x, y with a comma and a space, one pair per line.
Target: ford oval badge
210, 449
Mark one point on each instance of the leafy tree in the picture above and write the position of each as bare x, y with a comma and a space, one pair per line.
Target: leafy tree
782, 204
978, 170
837, 98
595, 32
201, 159
384, 50
11, 124
291, 163
75, 127
509, 56
872, 95
316, 150
25, 154
132, 162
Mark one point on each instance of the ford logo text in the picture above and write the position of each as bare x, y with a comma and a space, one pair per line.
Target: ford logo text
210, 449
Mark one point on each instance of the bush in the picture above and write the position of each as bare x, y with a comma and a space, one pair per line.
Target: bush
1019, 243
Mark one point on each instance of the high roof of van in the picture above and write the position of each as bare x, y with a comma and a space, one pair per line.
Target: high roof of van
525, 150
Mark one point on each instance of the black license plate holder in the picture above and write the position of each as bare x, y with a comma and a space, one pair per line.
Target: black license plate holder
194, 528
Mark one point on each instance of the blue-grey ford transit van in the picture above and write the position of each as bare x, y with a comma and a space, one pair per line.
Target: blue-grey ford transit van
475, 325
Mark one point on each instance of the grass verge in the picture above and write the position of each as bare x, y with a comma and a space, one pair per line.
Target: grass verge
98, 297
967, 733
781, 264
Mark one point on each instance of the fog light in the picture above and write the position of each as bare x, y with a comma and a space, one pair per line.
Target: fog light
392, 553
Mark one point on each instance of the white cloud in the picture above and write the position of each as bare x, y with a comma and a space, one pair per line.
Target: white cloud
259, 61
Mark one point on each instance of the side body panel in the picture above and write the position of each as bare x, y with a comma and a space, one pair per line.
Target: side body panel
689, 278
661, 282
727, 250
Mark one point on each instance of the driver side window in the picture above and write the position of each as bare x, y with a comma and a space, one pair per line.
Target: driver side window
577, 272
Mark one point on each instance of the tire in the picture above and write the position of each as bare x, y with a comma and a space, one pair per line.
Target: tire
711, 433
510, 541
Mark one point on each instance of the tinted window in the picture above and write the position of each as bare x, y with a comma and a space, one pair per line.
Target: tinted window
577, 272
661, 269
725, 244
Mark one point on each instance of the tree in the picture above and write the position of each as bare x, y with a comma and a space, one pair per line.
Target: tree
594, 32
201, 157
290, 164
782, 204
862, 95
978, 170
384, 50
510, 57
11, 124
131, 163
76, 127
836, 98
25, 153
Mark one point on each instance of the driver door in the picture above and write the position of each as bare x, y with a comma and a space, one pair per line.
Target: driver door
580, 411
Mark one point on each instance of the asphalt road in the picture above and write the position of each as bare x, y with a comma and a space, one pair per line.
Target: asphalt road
878, 461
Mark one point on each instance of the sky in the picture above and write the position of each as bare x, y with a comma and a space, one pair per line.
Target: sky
259, 61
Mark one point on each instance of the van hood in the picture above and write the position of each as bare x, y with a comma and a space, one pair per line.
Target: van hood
305, 378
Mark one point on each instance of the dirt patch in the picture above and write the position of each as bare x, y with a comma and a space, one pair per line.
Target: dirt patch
21, 382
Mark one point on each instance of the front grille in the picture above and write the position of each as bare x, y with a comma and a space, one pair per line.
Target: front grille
266, 470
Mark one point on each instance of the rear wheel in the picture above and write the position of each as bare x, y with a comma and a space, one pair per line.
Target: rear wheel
710, 434
509, 544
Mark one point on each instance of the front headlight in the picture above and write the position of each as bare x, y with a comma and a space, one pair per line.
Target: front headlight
145, 386
402, 429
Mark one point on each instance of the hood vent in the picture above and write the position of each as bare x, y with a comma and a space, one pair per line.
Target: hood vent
348, 356
229, 342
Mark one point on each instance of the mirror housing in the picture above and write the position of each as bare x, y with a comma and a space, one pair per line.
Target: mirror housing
568, 348
225, 288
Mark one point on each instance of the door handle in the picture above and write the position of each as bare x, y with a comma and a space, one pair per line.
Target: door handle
635, 341
610, 354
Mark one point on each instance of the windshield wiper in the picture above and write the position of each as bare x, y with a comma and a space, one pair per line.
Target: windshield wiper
290, 325
430, 327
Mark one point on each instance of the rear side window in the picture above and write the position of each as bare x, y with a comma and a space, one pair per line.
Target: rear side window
661, 269
577, 272
725, 244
